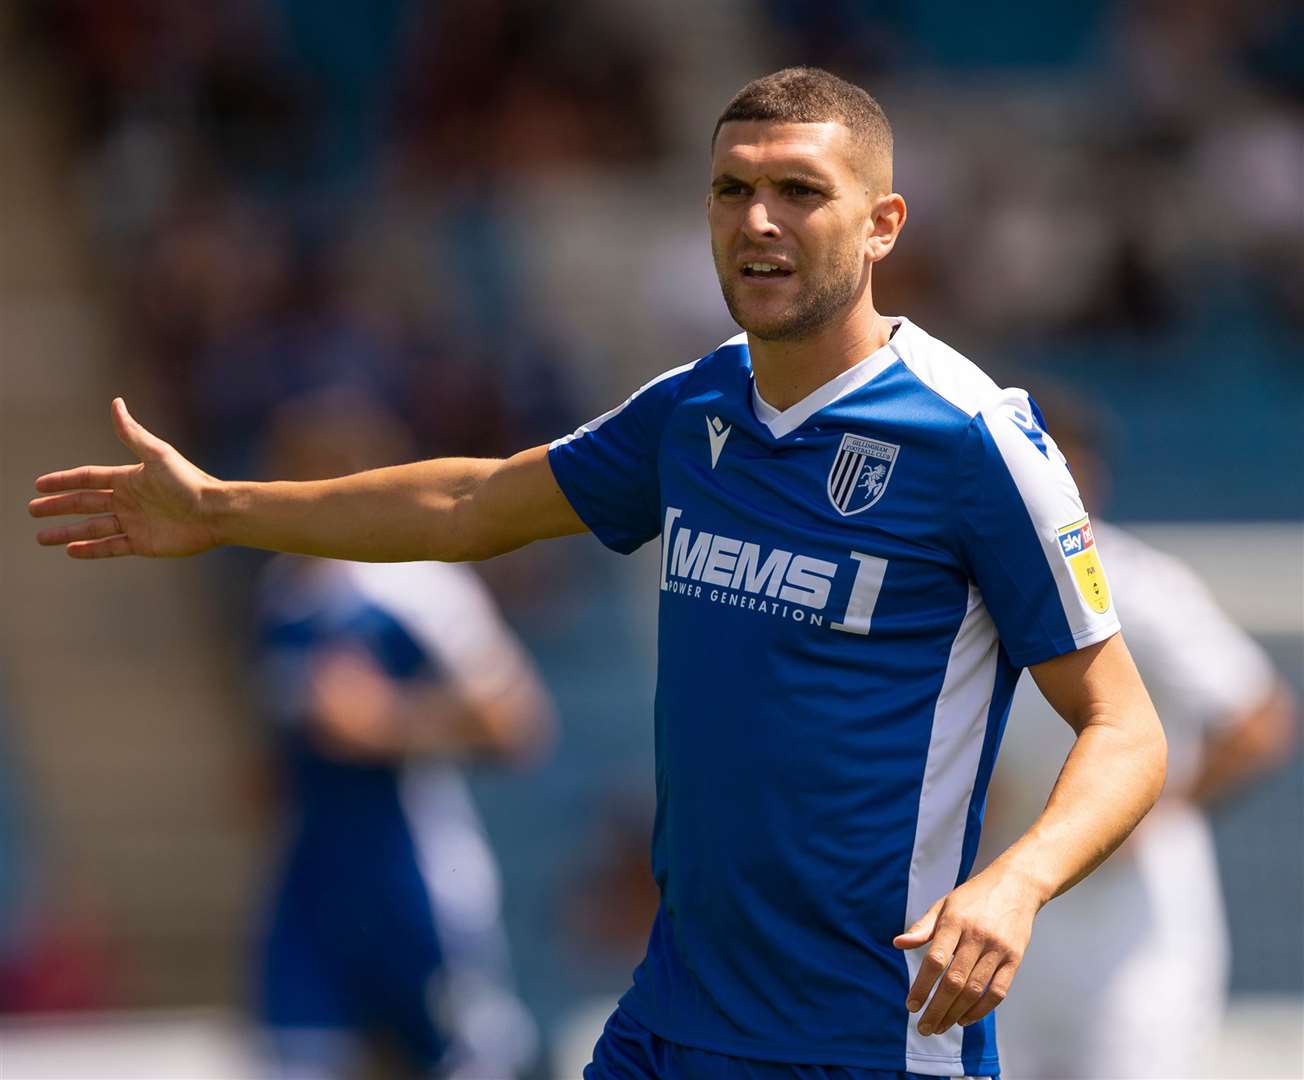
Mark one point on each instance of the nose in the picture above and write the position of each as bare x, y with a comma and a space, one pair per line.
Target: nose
757, 224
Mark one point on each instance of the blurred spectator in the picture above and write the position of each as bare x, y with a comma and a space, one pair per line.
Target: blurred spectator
381, 680
1094, 995
504, 88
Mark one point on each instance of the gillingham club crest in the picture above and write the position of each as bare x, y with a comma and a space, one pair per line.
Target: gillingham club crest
861, 469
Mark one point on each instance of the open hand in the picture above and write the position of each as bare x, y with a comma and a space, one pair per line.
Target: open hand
976, 937
155, 508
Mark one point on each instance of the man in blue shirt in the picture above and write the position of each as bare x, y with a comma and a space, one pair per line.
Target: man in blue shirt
863, 541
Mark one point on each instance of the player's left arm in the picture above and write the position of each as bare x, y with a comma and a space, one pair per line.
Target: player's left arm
977, 934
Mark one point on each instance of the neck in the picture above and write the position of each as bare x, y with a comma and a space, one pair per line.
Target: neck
787, 371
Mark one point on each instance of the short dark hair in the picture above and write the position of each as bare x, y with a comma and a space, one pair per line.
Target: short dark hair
811, 95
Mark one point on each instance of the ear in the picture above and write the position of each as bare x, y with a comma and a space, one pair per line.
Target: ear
886, 221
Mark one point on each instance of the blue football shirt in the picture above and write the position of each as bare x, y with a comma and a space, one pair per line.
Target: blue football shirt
848, 590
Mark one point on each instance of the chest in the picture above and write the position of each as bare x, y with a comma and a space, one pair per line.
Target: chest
819, 526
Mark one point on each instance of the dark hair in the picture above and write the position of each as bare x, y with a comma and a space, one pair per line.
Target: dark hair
810, 95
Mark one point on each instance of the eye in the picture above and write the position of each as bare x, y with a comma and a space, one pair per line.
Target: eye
731, 189
802, 191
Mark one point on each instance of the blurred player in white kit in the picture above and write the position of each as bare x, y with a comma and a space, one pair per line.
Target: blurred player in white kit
383, 681
1127, 975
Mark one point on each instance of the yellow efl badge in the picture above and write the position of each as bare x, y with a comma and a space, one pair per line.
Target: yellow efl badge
1079, 549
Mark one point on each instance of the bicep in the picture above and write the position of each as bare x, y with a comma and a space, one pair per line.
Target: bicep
519, 501
1095, 684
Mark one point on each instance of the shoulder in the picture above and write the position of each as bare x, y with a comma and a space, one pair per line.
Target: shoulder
654, 400
949, 374
727, 358
724, 360
720, 365
1003, 417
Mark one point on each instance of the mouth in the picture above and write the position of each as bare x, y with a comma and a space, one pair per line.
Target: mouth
765, 270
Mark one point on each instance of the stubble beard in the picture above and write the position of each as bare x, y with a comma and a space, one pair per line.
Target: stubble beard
820, 303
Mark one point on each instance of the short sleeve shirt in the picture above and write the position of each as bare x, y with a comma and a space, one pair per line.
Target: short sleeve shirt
848, 590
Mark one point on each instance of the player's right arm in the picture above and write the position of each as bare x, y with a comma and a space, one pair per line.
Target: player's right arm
450, 509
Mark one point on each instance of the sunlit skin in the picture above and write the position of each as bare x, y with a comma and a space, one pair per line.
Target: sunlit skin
803, 196
805, 199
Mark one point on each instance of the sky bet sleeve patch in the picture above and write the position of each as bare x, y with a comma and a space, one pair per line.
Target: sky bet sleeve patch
1078, 546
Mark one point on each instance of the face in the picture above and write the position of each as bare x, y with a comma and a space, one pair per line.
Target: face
792, 224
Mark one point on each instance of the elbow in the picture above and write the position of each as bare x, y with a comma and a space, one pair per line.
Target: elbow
472, 534
1157, 756
456, 541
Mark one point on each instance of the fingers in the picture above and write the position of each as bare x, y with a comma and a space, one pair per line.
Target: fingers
950, 983
935, 962
88, 476
922, 930
971, 987
134, 437
95, 528
101, 549
995, 993
77, 502
973, 971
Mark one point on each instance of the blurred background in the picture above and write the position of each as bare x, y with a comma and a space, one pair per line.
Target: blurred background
487, 216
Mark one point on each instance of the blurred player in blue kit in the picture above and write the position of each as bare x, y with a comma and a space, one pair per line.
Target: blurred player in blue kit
381, 680
863, 541
1094, 997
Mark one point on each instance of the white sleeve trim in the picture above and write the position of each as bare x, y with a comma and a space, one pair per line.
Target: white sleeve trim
1052, 501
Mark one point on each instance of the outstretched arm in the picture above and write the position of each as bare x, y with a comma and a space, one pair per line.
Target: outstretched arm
977, 934
450, 509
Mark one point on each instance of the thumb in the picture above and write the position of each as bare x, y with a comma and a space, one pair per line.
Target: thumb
134, 437
922, 930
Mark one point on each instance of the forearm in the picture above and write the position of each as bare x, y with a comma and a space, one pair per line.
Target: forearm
439, 722
1255, 742
450, 510
1111, 778
360, 713
443, 722
396, 514
1113, 775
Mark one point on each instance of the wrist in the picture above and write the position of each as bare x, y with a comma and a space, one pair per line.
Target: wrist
1029, 877
219, 508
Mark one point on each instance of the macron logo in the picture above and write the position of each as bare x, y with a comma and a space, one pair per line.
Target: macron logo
717, 433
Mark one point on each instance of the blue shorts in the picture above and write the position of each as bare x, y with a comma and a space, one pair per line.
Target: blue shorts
629, 1051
